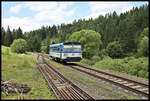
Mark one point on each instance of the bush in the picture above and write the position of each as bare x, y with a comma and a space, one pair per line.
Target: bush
143, 47
114, 50
44, 49
19, 46
87, 61
95, 59
130, 65
143, 34
103, 52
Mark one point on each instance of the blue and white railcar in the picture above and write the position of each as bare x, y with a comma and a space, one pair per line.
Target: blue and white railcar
69, 52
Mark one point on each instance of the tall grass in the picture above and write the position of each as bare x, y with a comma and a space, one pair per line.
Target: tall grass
22, 69
130, 65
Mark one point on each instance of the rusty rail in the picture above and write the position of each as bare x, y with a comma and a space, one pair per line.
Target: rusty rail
112, 80
60, 85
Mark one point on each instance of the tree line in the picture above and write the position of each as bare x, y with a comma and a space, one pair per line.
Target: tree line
124, 28
8, 36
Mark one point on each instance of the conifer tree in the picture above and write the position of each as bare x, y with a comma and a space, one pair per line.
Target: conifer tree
8, 37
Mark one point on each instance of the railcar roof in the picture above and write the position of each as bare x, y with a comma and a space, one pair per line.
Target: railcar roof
65, 43
75, 43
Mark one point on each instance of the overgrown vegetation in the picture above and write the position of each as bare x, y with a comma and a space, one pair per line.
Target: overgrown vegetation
135, 64
144, 47
129, 65
19, 46
114, 50
143, 43
22, 69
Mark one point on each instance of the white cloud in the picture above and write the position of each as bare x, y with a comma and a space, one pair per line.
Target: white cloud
34, 6
25, 23
126, 9
94, 15
101, 8
41, 6
46, 12
16, 9
55, 14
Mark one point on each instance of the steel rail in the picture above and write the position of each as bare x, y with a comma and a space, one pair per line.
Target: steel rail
113, 75
51, 86
66, 92
73, 85
113, 82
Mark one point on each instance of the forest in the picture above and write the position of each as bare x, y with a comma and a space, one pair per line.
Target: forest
117, 42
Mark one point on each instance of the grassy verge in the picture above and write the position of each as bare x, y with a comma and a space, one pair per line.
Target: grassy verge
22, 69
137, 67
103, 90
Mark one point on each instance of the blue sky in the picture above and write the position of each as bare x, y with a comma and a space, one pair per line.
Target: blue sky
32, 15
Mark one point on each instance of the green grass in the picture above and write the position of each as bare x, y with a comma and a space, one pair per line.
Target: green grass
108, 94
22, 69
133, 66
137, 67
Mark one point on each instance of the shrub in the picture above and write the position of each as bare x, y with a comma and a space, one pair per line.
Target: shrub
114, 50
130, 65
44, 49
103, 52
143, 47
87, 61
141, 73
19, 46
95, 59
143, 34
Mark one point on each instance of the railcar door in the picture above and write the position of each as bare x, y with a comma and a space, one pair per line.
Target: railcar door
60, 52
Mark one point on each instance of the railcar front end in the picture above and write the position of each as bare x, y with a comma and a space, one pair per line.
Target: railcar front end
70, 52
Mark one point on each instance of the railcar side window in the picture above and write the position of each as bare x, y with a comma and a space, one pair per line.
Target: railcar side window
55, 49
76, 49
70, 48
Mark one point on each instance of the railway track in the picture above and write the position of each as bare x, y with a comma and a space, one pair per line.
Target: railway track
125, 83
128, 84
61, 86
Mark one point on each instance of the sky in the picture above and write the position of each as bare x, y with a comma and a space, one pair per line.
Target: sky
32, 15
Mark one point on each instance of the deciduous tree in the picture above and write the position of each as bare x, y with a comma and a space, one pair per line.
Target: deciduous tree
90, 40
19, 46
